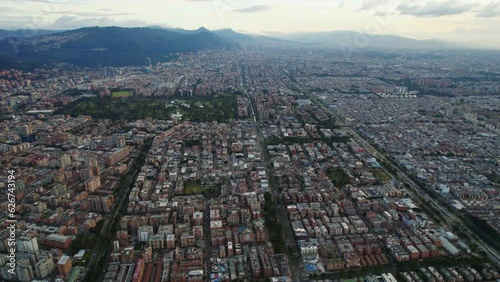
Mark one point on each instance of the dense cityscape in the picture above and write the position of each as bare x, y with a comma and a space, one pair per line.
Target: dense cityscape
254, 164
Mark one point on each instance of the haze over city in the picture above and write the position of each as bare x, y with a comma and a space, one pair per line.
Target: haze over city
470, 22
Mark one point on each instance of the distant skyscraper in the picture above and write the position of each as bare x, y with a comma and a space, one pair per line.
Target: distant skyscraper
109, 72
119, 141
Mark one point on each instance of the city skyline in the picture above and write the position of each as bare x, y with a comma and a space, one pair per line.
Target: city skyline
472, 23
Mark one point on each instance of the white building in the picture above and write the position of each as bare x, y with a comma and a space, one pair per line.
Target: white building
45, 266
26, 243
144, 233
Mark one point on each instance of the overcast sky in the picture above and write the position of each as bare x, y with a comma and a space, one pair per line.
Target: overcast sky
476, 22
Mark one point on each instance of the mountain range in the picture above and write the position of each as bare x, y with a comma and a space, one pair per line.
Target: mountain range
25, 33
107, 46
357, 40
116, 46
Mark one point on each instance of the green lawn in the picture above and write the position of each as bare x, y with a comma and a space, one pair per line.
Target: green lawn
494, 178
191, 187
87, 255
338, 177
120, 94
381, 175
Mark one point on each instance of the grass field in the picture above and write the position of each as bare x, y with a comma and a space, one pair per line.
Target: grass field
191, 187
121, 94
381, 175
87, 255
338, 177
494, 178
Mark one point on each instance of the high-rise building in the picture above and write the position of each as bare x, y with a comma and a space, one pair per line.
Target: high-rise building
31, 256
86, 173
116, 246
157, 242
24, 271
26, 243
119, 141
45, 266
144, 233
7, 273
64, 161
109, 72
170, 241
92, 184
26, 129
59, 177
100, 204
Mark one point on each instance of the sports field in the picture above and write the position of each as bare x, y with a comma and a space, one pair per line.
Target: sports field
120, 94
191, 188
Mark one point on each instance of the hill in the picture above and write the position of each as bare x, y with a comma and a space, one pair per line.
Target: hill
247, 39
116, 46
25, 33
106, 46
351, 39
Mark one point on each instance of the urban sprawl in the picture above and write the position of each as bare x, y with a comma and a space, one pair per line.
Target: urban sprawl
254, 165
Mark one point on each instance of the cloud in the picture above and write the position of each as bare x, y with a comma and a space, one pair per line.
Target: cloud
37, 1
92, 14
483, 37
7, 9
373, 4
380, 7
20, 22
253, 9
436, 9
73, 22
490, 10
